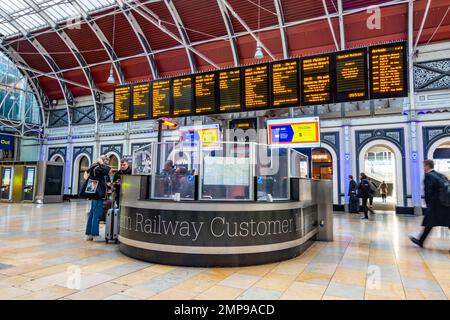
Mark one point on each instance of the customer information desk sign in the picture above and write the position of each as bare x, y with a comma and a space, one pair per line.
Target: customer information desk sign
296, 133
207, 135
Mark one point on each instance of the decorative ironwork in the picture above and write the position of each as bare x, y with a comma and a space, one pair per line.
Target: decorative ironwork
83, 115
58, 118
116, 148
433, 134
61, 151
106, 112
432, 75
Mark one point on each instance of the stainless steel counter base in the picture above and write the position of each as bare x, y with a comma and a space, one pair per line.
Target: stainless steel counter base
216, 234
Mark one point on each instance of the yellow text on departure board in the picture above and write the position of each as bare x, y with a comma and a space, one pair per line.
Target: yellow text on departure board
256, 81
161, 96
285, 83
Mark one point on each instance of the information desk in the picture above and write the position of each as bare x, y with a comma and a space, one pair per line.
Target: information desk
206, 234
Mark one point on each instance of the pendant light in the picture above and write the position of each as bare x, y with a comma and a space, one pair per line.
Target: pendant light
111, 79
259, 52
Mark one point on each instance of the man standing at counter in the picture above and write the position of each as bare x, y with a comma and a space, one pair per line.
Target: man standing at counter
125, 168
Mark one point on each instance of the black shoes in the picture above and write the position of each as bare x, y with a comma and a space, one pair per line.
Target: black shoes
416, 241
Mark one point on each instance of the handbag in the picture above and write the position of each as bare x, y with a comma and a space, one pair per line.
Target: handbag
91, 187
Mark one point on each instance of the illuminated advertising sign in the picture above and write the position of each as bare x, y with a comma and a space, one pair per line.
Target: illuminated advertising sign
297, 133
207, 135
6, 142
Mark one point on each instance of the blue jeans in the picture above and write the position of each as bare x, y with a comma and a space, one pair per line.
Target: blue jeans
93, 221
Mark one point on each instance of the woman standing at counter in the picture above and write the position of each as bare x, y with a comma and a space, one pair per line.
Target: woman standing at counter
95, 189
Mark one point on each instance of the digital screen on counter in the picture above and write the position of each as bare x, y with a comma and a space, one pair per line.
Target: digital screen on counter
388, 70
141, 101
285, 83
122, 103
256, 87
205, 93
230, 90
160, 98
316, 80
182, 96
351, 75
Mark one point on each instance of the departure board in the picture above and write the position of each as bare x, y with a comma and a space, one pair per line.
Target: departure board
256, 87
351, 75
141, 101
160, 98
182, 96
388, 71
205, 93
230, 90
285, 83
122, 103
316, 80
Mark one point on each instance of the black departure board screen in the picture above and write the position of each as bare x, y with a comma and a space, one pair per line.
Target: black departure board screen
205, 93
316, 80
256, 87
285, 83
230, 90
141, 101
182, 96
351, 75
122, 103
388, 71
160, 98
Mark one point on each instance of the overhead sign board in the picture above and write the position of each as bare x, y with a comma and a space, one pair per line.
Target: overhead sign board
297, 132
208, 136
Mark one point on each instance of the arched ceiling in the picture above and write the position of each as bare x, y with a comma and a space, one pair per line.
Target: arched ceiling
71, 44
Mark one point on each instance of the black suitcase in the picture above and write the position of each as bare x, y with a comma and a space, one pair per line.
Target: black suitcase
353, 205
112, 225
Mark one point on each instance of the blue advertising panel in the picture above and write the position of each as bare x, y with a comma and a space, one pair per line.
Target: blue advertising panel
6, 142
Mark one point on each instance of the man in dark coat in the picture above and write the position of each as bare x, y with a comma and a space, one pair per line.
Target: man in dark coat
364, 194
353, 199
436, 215
125, 169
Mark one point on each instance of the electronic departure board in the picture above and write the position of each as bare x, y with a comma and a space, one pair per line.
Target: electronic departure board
388, 76
230, 90
316, 80
351, 81
160, 98
122, 103
256, 87
285, 83
141, 101
205, 93
182, 96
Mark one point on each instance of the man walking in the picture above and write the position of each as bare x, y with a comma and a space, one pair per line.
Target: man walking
364, 192
436, 214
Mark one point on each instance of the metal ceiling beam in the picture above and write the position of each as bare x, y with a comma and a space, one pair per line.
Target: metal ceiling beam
142, 39
102, 38
67, 94
422, 24
150, 16
230, 31
330, 24
283, 35
246, 27
73, 48
341, 24
183, 33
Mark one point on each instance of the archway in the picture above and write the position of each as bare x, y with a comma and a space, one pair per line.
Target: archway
385, 163
57, 158
441, 157
331, 167
81, 161
114, 162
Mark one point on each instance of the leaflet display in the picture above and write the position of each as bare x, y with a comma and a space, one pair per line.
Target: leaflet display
256, 87
141, 101
316, 80
285, 83
388, 74
205, 93
351, 75
122, 103
161, 98
230, 90
182, 96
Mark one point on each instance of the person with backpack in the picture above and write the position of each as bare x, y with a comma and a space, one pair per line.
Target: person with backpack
437, 199
353, 199
94, 189
364, 192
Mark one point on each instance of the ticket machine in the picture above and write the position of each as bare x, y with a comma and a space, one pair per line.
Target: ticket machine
6, 183
29, 181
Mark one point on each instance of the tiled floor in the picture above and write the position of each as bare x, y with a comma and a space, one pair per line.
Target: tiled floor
43, 255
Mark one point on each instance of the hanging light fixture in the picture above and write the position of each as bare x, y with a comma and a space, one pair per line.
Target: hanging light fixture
111, 79
259, 52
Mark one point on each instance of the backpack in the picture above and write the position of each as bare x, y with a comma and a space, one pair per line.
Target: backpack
444, 189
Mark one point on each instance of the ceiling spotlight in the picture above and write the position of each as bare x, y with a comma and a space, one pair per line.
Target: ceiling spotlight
111, 79
259, 53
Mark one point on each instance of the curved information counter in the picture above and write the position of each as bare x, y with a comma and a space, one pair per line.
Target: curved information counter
212, 233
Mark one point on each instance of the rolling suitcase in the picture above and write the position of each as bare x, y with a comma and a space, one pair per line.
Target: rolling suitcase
112, 225
354, 204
